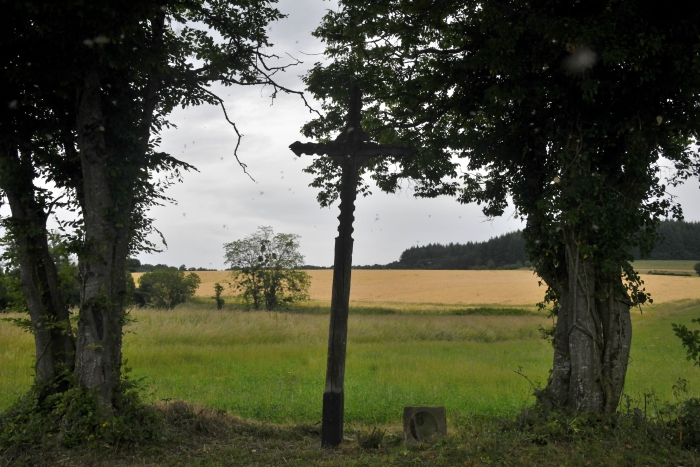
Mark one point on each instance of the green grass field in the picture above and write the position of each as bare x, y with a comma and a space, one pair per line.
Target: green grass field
661, 265
271, 366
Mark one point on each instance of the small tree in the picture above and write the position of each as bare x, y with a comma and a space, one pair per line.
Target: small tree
265, 269
166, 288
697, 268
218, 288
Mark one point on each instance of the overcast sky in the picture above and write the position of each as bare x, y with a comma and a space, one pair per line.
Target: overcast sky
220, 203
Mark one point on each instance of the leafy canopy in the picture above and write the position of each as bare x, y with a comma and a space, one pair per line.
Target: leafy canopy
567, 107
265, 269
150, 57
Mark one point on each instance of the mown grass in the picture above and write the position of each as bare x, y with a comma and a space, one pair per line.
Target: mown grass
196, 436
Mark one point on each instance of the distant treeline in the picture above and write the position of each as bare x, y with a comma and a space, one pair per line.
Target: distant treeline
134, 265
503, 252
681, 241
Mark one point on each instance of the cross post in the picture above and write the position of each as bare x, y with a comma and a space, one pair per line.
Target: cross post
350, 151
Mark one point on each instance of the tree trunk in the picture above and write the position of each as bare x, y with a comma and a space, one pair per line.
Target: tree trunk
103, 261
614, 310
592, 338
53, 336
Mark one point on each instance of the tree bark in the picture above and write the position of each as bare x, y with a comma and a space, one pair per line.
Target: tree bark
103, 261
592, 337
53, 336
617, 333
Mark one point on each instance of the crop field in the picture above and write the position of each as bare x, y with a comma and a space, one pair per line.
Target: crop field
270, 366
411, 289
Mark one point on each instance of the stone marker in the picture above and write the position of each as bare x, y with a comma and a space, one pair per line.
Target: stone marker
351, 151
424, 423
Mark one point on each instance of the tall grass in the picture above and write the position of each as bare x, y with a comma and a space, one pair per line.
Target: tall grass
271, 366
16, 361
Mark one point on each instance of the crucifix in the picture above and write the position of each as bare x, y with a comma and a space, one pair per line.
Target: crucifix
350, 151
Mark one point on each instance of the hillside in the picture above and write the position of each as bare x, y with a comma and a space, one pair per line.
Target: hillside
505, 251
680, 241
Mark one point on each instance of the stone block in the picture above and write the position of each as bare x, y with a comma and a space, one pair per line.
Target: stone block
424, 423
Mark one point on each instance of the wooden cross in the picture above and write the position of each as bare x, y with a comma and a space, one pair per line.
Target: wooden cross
350, 150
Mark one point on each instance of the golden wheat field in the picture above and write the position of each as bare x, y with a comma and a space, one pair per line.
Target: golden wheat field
470, 288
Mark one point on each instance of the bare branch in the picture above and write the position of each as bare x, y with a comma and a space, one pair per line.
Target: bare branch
220, 102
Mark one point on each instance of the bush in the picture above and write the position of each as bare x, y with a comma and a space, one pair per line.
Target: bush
697, 268
218, 289
165, 288
40, 419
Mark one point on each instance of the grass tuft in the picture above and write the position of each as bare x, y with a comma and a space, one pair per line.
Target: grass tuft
371, 439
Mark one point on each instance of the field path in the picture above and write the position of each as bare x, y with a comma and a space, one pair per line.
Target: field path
507, 288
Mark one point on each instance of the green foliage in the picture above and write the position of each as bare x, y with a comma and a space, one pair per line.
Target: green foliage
697, 268
218, 288
690, 340
166, 288
43, 418
68, 274
132, 264
11, 296
96, 82
204, 436
265, 271
640, 421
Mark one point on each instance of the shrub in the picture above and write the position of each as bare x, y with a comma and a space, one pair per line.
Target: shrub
41, 419
166, 288
218, 288
697, 268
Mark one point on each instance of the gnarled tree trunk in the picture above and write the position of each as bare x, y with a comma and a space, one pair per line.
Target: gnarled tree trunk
53, 336
592, 337
103, 261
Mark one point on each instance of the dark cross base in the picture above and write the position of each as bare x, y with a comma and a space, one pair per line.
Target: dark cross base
350, 151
